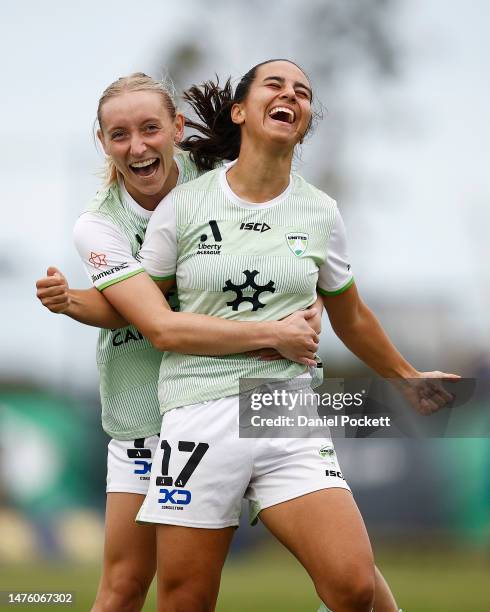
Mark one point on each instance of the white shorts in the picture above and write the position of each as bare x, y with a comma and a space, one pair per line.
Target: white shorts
203, 469
129, 465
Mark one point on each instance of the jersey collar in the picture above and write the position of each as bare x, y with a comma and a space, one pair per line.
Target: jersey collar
243, 203
130, 202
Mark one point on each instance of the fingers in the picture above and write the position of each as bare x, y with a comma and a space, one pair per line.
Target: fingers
309, 347
299, 342
311, 363
62, 298
441, 375
55, 291
432, 396
55, 299
308, 358
315, 323
427, 407
54, 278
308, 314
52, 292
441, 396
52, 271
311, 335
301, 321
434, 404
50, 281
56, 305
314, 341
427, 393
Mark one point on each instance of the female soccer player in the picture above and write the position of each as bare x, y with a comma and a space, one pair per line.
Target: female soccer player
272, 238
312, 514
138, 127
115, 293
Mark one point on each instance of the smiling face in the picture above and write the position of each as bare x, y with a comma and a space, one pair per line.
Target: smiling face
277, 108
138, 133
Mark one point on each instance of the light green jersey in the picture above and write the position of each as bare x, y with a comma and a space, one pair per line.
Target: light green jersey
244, 262
108, 236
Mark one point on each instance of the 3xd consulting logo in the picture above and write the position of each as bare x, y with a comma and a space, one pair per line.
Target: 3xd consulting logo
177, 497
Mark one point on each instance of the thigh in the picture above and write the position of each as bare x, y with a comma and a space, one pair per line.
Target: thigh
129, 548
325, 531
190, 560
129, 556
285, 469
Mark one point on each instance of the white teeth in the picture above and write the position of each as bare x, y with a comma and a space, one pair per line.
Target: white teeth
282, 109
144, 163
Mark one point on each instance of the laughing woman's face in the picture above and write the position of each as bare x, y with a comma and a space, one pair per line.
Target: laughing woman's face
138, 133
277, 107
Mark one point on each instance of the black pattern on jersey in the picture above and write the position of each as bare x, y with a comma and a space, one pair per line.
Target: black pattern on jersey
249, 283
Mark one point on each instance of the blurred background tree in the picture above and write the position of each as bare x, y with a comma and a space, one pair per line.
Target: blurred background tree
340, 45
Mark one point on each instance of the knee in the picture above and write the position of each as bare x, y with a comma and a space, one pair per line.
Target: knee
353, 593
186, 596
121, 594
184, 601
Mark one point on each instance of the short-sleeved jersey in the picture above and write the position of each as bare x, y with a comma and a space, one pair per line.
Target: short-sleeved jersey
108, 236
241, 261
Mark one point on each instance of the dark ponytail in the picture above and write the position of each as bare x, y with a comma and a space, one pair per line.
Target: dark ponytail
218, 138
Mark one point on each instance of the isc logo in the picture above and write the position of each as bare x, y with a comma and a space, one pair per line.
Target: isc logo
178, 497
256, 227
334, 473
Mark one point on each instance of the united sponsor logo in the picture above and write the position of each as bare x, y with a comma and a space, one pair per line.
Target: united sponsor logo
97, 259
327, 451
297, 242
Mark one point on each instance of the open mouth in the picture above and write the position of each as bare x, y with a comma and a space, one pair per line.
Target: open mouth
282, 114
146, 167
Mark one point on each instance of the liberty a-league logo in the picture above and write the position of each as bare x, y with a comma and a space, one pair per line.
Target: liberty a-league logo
297, 242
204, 247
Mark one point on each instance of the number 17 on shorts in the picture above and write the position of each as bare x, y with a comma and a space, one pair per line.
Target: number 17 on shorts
172, 491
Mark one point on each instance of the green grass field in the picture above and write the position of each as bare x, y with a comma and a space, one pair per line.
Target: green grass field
269, 579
